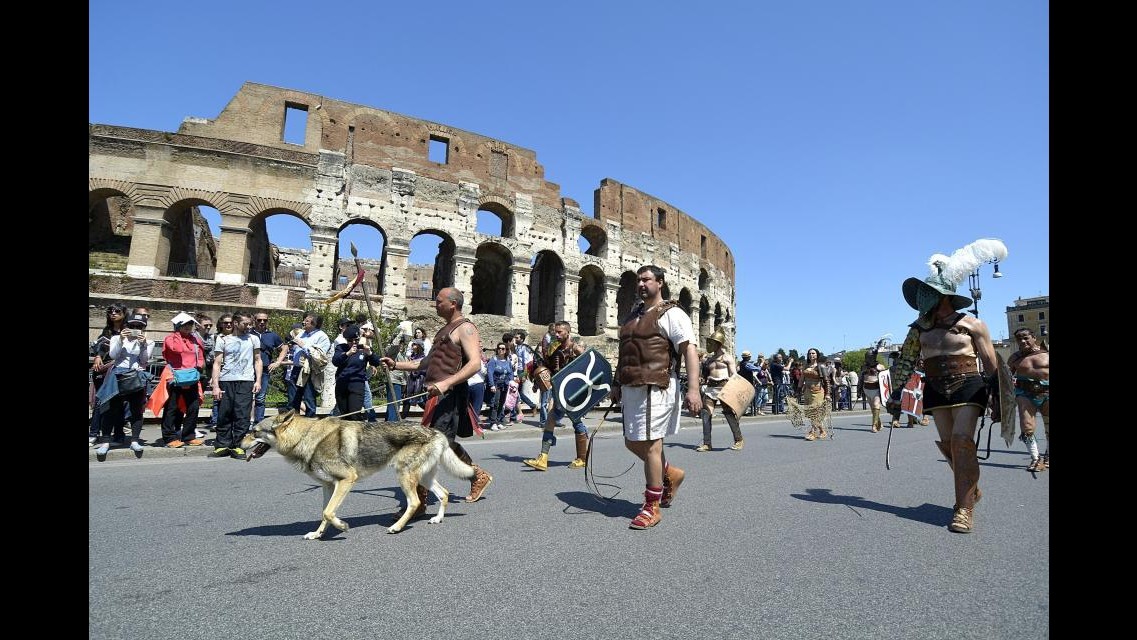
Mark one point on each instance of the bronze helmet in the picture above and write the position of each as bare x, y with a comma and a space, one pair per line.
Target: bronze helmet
718, 336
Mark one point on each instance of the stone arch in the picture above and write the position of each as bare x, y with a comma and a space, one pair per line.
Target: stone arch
665, 291
626, 295
491, 282
192, 251
685, 300
344, 262
110, 225
502, 212
704, 280
442, 275
546, 288
705, 328
591, 305
597, 240
718, 315
263, 255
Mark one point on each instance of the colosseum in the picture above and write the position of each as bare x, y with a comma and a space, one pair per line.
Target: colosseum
405, 178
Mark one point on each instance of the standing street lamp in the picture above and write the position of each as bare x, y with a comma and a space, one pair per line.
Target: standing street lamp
973, 281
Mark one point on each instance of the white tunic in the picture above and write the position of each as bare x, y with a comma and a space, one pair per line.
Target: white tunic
664, 406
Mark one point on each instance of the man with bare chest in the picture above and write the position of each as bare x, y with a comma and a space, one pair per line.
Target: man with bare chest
1031, 366
953, 346
718, 367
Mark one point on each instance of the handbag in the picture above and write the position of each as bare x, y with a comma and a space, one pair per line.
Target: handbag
130, 382
185, 377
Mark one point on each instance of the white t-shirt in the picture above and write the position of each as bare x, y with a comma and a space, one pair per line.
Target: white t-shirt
238, 353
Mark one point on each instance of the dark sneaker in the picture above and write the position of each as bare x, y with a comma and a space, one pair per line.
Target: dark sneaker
238, 453
219, 452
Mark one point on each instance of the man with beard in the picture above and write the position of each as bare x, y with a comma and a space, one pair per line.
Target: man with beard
655, 337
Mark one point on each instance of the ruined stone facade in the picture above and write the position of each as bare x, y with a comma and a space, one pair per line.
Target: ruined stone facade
361, 165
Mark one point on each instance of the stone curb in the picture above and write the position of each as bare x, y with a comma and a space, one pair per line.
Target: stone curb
152, 433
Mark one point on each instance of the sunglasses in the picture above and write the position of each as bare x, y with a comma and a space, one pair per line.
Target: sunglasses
225, 324
119, 311
207, 326
262, 319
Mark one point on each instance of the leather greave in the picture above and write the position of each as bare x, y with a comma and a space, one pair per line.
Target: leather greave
582, 446
966, 470
732, 420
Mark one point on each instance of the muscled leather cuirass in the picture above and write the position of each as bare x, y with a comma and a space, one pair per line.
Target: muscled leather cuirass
646, 355
446, 356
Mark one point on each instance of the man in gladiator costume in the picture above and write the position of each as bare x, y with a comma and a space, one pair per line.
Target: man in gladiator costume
718, 367
953, 345
560, 352
1031, 366
454, 357
870, 385
654, 339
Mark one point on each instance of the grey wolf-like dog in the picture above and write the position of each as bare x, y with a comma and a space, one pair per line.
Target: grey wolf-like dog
338, 453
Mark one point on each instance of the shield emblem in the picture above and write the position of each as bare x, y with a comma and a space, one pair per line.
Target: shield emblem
582, 383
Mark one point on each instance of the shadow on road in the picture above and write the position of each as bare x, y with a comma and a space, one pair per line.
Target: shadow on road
518, 460
587, 502
927, 513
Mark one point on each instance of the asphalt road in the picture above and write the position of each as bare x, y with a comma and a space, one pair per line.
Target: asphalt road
784, 539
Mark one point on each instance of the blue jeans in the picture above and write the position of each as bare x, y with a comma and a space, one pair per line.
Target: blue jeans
393, 403
497, 403
780, 391
259, 399
477, 398
577, 426
546, 398
761, 396
367, 402
306, 395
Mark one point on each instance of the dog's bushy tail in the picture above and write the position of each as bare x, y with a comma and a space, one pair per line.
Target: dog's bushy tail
453, 464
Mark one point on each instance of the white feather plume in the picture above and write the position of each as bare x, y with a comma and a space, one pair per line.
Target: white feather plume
965, 260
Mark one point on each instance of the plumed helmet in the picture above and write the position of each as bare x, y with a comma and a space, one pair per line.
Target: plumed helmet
947, 272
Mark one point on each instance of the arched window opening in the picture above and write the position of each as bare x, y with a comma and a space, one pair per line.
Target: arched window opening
431, 261
494, 219
492, 280
193, 243
371, 243
546, 288
590, 310
626, 295
285, 258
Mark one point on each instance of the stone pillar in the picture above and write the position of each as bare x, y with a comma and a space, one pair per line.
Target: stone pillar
397, 255
328, 394
233, 252
611, 310
464, 274
321, 262
571, 296
518, 307
149, 244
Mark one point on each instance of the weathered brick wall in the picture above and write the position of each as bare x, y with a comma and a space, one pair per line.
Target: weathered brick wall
359, 164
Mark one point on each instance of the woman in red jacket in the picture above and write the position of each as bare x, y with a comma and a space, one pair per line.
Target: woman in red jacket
182, 350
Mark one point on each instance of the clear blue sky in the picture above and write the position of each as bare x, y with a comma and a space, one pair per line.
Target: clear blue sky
833, 145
